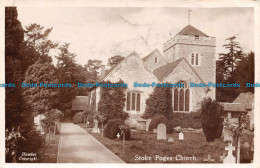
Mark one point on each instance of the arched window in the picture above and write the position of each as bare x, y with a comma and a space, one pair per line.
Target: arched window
176, 99
197, 59
192, 59
155, 60
187, 99
133, 101
181, 98
181, 101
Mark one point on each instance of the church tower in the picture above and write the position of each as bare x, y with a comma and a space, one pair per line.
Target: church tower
197, 48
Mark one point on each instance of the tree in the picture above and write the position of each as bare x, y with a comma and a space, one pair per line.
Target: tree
92, 68
245, 72
41, 98
37, 38
113, 61
19, 117
159, 102
211, 119
232, 58
66, 72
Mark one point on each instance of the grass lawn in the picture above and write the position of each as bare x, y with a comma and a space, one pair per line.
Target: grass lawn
144, 148
51, 149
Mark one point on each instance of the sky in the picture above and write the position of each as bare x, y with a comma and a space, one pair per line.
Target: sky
102, 32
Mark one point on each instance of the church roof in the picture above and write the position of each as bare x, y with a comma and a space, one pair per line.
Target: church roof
148, 56
111, 69
164, 71
190, 30
246, 99
233, 107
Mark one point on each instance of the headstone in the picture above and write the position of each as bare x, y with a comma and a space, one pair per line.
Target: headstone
228, 136
170, 139
230, 158
96, 129
181, 136
148, 121
161, 131
118, 135
209, 159
154, 130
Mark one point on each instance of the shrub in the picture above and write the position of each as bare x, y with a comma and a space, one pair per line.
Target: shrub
246, 155
159, 102
211, 118
112, 128
158, 119
187, 120
78, 118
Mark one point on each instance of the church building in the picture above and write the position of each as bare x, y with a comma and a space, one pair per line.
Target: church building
188, 57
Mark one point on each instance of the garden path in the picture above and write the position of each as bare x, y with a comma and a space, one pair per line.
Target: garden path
78, 146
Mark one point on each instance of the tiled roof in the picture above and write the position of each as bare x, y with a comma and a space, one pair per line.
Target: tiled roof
80, 103
246, 99
233, 107
190, 30
164, 71
146, 57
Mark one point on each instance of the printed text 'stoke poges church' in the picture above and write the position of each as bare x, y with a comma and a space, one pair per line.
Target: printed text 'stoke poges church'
188, 57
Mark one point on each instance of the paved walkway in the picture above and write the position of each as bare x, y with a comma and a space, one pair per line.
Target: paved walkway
78, 146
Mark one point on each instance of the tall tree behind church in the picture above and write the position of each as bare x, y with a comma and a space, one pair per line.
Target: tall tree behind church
226, 66
68, 72
234, 67
92, 69
113, 61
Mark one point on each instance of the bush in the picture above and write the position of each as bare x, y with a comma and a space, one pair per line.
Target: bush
78, 118
159, 102
211, 118
112, 128
246, 155
187, 120
158, 119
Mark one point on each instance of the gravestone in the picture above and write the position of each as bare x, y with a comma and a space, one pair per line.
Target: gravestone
170, 139
230, 158
148, 121
161, 131
154, 130
181, 136
228, 136
96, 129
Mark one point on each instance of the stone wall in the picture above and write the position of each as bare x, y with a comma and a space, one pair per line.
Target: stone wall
150, 62
183, 72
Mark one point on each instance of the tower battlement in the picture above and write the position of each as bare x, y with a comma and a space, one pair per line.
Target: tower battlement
190, 40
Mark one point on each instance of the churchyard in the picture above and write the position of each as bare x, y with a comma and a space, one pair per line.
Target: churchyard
150, 147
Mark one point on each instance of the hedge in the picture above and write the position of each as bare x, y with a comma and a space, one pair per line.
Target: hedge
187, 120
158, 119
